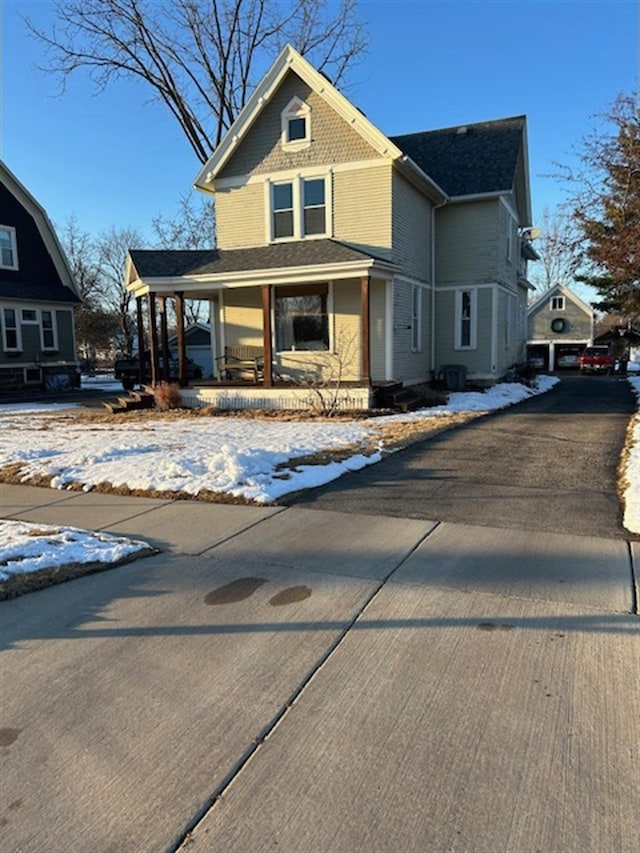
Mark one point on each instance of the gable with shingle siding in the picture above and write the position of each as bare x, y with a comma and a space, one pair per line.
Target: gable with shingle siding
332, 139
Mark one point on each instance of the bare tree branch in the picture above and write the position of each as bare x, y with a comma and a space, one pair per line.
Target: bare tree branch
200, 58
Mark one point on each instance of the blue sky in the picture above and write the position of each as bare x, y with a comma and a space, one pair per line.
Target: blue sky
115, 159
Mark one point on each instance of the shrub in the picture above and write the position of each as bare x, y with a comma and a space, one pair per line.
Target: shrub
167, 396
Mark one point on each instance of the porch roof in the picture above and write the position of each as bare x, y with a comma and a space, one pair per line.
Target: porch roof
198, 263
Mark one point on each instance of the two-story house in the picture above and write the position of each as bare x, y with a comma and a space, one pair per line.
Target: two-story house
37, 297
560, 326
343, 251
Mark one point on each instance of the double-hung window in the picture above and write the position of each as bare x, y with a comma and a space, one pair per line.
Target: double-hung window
557, 303
466, 319
8, 248
298, 208
10, 330
282, 201
48, 330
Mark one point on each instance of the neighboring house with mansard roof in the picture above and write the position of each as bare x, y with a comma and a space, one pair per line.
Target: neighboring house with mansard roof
37, 296
394, 256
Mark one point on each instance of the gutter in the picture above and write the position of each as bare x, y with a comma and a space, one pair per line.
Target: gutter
433, 282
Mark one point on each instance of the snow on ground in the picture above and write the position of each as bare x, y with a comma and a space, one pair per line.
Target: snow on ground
632, 470
239, 456
28, 547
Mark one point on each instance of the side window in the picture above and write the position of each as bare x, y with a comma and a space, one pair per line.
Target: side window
557, 303
466, 319
10, 330
8, 248
48, 330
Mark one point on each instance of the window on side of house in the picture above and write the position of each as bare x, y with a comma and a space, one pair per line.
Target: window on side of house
32, 375
282, 201
10, 330
8, 248
465, 337
47, 327
29, 315
557, 303
509, 237
416, 318
302, 318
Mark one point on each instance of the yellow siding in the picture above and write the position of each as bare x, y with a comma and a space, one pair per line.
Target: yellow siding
332, 139
411, 229
243, 317
362, 207
240, 217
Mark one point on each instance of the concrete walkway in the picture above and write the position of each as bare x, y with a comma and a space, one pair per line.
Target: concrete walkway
307, 680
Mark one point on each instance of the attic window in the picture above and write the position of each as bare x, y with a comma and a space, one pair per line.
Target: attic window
8, 248
557, 303
296, 126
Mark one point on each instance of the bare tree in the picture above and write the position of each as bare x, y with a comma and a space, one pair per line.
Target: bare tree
112, 247
200, 58
605, 203
193, 226
559, 250
80, 250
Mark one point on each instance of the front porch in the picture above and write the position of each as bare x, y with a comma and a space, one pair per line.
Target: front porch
280, 395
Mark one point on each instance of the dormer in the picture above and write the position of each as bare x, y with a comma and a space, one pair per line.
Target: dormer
296, 125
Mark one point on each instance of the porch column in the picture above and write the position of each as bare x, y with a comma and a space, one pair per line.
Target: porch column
140, 328
153, 340
183, 378
266, 335
164, 337
365, 299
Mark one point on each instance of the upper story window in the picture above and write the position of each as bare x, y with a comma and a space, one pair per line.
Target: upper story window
296, 125
557, 303
298, 208
8, 248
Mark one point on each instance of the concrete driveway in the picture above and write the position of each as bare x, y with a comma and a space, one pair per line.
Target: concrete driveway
307, 680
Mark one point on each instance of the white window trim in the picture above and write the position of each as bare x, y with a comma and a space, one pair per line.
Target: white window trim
26, 322
54, 329
561, 305
297, 184
416, 318
14, 248
295, 109
473, 332
18, 329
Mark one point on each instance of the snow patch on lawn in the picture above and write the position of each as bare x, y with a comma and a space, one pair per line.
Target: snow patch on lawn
28, 547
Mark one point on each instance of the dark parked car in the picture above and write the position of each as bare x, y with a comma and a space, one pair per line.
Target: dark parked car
127, 370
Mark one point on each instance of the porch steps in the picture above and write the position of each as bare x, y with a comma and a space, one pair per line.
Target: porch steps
135, 400
395, 396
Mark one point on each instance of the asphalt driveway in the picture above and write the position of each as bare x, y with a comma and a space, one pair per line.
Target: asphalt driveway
548, 464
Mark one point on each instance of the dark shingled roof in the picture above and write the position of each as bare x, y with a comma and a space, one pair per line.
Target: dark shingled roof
50, 291
162, 263
481, 160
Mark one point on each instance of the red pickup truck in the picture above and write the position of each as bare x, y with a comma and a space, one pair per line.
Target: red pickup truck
596, 360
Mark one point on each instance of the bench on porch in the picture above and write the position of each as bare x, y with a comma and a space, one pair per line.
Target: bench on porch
241, 362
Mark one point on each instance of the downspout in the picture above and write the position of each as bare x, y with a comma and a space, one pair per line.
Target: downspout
433, 284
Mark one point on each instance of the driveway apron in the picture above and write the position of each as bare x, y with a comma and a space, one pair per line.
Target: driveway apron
547, 464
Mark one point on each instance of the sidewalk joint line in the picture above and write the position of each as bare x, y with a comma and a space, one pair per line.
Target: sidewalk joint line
278, 717
634, 581
240, 532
